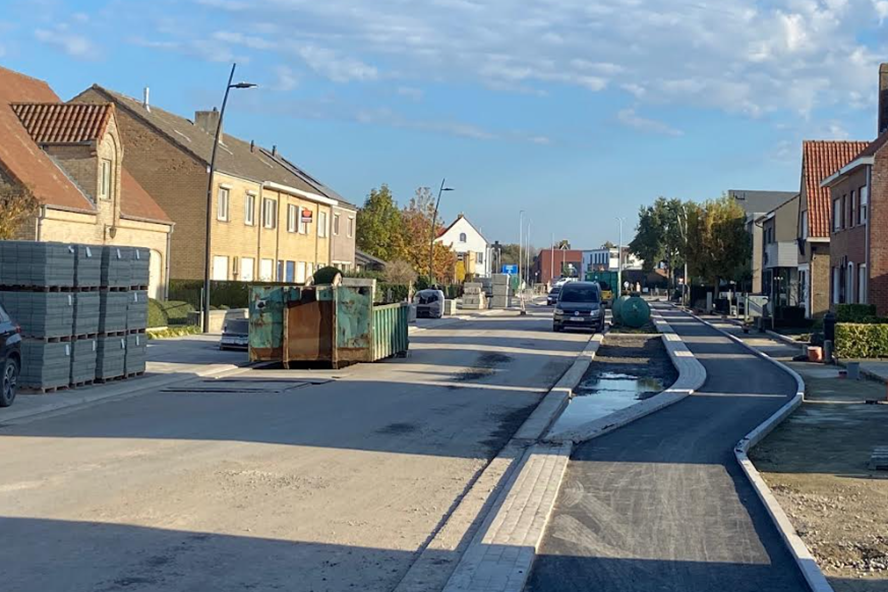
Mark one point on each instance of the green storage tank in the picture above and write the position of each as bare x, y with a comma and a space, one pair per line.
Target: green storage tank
617, 308
635, 312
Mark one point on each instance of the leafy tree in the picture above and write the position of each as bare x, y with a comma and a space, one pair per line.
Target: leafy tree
379, 225
661, 234
563, 244
718, 246
416, 233
509, 254
17, 206
608, 245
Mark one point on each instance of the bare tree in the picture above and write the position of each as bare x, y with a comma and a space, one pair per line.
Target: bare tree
400, 272
17, 205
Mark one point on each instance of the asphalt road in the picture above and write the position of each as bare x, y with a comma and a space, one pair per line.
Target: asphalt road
263, 482
661, 504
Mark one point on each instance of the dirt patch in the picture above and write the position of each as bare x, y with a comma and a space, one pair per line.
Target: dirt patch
483, 367
816, 463
644, 356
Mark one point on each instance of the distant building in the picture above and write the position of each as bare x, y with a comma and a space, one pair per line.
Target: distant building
552, 264
780, 260
469, 245
756, 204
608, 259
73, 160
367, 262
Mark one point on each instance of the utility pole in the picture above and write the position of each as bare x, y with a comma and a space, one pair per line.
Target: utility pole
620, 259
520, 242
552, 259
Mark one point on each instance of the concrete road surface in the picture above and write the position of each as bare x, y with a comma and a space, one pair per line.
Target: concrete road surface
661, 504
264, 481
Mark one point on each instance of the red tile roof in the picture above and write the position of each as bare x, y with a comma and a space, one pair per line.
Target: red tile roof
31, 113
64, 123
821, 159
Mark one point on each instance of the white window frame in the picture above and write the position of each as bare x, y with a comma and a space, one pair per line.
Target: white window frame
266, 270
223, 201
303, 226
837, 213
351, 226
292, 211
220, 262
336, 224
105, 179
863, 192
322, 224
247, 263
269, 214
250, 209
850, 283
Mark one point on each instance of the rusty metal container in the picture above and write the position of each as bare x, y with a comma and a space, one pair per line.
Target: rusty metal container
336, 325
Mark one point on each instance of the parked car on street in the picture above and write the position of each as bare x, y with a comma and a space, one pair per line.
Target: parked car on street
552, 297
429, 304
235, 334
579, 306
10, 357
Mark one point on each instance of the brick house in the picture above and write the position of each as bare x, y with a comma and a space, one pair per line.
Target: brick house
73, 160
779, 255
269, 220
551, 264
820, 160
859, 223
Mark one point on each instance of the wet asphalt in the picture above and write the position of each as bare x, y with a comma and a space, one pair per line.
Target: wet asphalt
661, 504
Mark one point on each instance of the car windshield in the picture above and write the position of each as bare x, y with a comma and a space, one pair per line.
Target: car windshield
579, 294
238, 326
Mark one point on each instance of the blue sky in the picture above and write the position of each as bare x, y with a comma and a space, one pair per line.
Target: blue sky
577, 111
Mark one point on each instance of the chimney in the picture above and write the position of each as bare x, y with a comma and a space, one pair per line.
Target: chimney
252, 145
883, 98
145, 95
207, 121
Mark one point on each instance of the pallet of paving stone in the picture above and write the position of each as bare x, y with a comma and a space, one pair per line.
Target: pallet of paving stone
26, 264
41, 315
46, 367
87, 267
500, 279
136, 354
110, 357
137, 310
84, 358
113, 310
140, 268
87, 307
116, 267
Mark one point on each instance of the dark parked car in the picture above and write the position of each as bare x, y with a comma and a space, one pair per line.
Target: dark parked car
235, 334
552, 297
579, 305
10, 358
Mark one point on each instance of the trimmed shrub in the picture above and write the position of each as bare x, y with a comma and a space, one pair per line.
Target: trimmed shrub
391, 293
176, 311
175, 332
859, 340
854, 313
222, 293
157, 316
326, 275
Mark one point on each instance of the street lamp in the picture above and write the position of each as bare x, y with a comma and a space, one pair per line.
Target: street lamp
207, 254
620, 259
432, 240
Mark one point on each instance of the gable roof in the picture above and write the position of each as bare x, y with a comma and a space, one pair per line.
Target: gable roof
820, 159
760, 202
31, 114
234, 156
452, 224
64, 123
21, 157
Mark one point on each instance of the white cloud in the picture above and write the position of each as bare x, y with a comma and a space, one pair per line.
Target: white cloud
74, 45
881, 7
410, 92
286, 78
336, 67
241, 39
630, 118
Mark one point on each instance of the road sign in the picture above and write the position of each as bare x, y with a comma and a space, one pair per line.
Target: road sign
510, 269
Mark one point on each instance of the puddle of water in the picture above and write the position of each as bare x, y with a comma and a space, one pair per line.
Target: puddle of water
600, 396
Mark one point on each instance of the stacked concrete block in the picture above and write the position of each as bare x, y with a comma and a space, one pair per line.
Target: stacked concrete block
42, 315
46, 366
137, 310
86, 313
140, 269
87, 266
113, 311
84, 356
501, 291
110, 357
26, 264
136, 354
116, 267
474, 297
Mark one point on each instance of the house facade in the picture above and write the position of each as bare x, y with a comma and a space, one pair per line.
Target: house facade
267, 223
608, 259
858, 272
469, 245
779, 248
820, 160
73, 160
756, 204
552, 264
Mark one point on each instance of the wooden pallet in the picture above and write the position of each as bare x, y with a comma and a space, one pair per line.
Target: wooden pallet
135, 374
112, 334
65, 339
45, 289
85, 336
114, 288
82, 384
43, 391
107, 380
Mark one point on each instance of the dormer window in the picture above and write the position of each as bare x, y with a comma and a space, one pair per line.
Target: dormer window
105, 180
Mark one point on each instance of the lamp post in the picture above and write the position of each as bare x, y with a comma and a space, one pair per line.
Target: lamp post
432, 240
210, 172
520, 241
620, 259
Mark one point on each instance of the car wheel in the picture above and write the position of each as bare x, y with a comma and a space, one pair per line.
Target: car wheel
8, 382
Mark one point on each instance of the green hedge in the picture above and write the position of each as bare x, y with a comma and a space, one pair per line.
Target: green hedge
859, 340
222, 293
157, 316
854, 313
176, 311
391, 293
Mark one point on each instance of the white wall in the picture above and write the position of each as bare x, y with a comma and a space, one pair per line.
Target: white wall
474, 243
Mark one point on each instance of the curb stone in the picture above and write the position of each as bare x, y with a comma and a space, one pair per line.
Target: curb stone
464, 530
797, 548
691, 376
